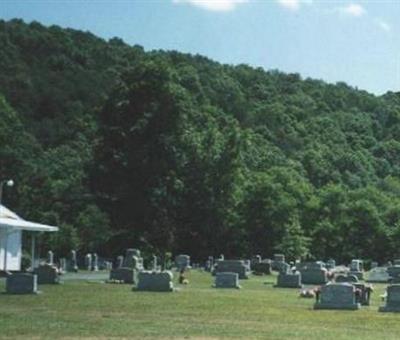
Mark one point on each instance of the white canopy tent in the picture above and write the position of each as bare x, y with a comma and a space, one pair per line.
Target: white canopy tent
11, 227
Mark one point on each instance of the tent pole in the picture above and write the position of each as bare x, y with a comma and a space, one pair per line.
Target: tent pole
33, 251
5, 249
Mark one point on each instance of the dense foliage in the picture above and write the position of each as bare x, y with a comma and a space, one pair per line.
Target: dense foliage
173, 152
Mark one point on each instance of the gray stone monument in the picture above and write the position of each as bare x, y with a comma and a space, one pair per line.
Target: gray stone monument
357, 269
337, 296
182, 262
262, 268
392, 299
21, 283
47, 274
88, 262
73, 264
330, 264
155, 281
374, 264
313, 273
289, 280
63, 265
378, 275
232, 266
278, 260
227, 280
95, 264
50, 257
120, 261
125, 275
346, 278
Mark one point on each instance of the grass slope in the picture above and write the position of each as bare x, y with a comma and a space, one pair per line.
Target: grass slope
94, 310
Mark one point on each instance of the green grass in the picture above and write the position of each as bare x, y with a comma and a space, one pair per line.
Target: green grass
94, 310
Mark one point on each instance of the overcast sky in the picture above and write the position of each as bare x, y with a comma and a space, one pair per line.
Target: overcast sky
353, 41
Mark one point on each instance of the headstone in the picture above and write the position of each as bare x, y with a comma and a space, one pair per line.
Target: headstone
277, 261
221, 257
378, 275
155, 281
95, 264
330, 264
255, 259
133, 259
125, 275
289, 280
392, 299
337, 296
393, 271
313, 273
262, 268
154, 264
63, 265
47, 274
374, 264
227, 280
346, 278
73, 264
21, 283
50, 257
182, 262
357, 269
88, 262
120, 261
396, 262
232, 266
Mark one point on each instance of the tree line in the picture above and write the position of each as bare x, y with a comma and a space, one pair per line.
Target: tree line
172, 152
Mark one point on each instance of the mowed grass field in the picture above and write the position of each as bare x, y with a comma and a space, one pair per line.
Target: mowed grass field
83, 309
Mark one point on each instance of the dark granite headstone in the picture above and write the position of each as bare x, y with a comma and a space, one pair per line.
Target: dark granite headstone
22, 283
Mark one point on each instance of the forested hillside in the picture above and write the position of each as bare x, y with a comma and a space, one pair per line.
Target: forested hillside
173, 152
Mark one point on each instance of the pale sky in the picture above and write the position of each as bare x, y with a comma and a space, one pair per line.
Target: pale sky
353, 41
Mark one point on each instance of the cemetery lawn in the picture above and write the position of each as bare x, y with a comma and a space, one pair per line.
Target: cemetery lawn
83, 309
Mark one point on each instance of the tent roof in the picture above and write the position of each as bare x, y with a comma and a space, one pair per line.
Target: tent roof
9, 219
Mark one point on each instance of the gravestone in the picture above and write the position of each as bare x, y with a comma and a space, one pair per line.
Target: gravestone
277, 261
47, 274
262, 268
120, 261
396, 262
154, 263
346, 278
392, 299
227, 280
289, 280
50, 257
313, 273
88, 262
155, 281
255, 260
125, 275
330, 264
182, 262
73, 264
95, 265
378, 275
337, 296
374, 264
133, 259
357, 269
21, 283
232, 266
63, 265
393, 271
